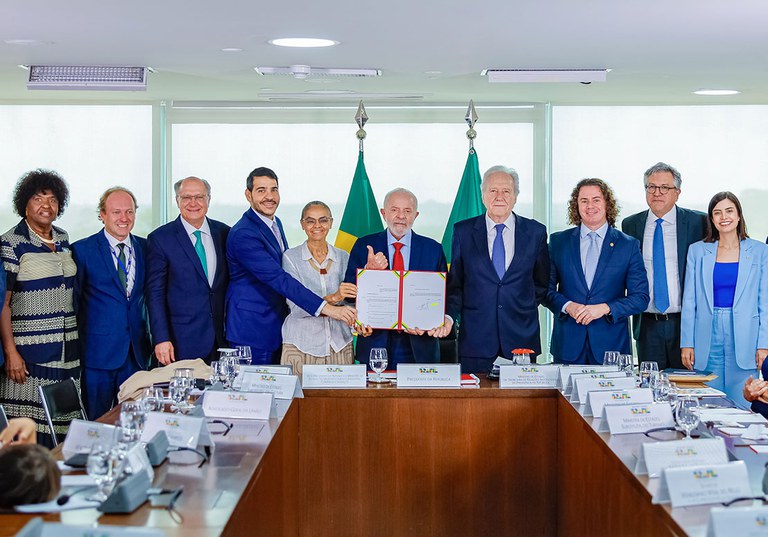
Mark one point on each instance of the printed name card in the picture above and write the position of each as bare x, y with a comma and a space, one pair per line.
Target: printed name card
281, 386
273, 369
570, 386
37, 528
700, 485
182, 431
596, 400
428, 375
245, 405
528, 376
333, 376
635, 418
83, 434
583, 384
742, 521
567, 370
656, 456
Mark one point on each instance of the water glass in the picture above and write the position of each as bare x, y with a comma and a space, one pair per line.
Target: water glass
687, 414
659, 385
152, 399
214, 378
178, 391
627, 364
103, 467
378, 362
244, 354
611, 358
523, 359
132, 418
646, 369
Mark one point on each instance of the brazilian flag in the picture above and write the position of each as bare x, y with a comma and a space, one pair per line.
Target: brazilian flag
468, 202
361, 214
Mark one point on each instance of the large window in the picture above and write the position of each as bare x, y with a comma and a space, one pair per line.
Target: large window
92, 147
317, 161
714, 147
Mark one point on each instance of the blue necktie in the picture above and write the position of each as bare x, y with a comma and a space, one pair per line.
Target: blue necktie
498, 255
200, 250
590, 262
660, 289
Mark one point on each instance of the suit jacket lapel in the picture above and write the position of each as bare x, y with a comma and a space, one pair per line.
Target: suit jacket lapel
639, 230
707, 269
606, 252
105, 253
682, 240
266, 232
480, 237
189, 250
218, 245
416, 252
577, 267
745, 267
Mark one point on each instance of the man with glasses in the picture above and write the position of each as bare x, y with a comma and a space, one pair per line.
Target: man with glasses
187, 278
398, 247
665, 232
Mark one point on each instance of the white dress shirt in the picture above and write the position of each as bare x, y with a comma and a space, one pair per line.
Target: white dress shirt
130, 258
669, 231
210, 248
508, 236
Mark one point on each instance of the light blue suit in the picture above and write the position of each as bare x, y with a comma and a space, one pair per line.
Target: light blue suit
750, 307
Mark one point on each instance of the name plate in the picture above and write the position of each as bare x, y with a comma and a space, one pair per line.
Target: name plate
656, 456
82, 435
596, 400
281, 386
333, 376
273, 369
244, 405
528, 376
583, 384
37, 528
182, 431
567, 370
701, 485
635, 418
428, 375
742, 521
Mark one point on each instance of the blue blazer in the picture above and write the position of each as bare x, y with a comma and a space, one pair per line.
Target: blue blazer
620, 281
495, 313
426, 254
183, 307
750, 302
690, 228
107, 321
258, 286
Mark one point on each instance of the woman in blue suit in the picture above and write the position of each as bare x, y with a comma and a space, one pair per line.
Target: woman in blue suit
724, 327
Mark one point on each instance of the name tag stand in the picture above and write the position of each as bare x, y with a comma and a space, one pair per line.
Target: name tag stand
334, 376
701, 485
654, 457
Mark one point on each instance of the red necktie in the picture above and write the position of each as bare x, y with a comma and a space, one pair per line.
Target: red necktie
397, 259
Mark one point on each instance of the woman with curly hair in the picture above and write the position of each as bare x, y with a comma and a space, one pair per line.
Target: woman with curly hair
37, 324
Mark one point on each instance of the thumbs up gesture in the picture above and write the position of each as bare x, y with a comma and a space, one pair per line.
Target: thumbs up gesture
376, 261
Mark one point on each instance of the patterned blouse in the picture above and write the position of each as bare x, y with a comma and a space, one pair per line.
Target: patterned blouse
41, 282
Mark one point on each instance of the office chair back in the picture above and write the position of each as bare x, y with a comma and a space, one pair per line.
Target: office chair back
61, 399
3, 418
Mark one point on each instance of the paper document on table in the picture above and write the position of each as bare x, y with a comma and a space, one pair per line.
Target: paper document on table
392, 300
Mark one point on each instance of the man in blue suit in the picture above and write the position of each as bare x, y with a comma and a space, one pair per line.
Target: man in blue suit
109, 302
657, 330
187, 278
498, 277
597, 280
405, 250
255, 303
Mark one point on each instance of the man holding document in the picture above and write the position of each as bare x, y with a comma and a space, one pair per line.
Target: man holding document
398, 248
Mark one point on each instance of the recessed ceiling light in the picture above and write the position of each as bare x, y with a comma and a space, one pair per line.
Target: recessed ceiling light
25, 42
302, 42
717, 92
231, 49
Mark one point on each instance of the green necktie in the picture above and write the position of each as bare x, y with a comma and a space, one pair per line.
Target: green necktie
201, 251
121, 275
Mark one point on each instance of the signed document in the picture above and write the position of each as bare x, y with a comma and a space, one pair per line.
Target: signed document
392, 300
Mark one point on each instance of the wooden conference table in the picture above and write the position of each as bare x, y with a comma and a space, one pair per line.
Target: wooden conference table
411, 462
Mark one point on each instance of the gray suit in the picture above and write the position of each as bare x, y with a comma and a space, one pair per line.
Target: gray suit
657, 336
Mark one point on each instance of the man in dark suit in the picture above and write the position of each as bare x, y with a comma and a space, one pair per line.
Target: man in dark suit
657, 330
597, 279
402, 249
109, 302
258, 287
498, 277
187, 278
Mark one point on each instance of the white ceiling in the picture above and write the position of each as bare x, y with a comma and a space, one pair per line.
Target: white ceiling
659, 50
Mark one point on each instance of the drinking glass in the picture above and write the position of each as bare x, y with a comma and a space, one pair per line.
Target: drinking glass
233, 369
102, 467
378, 362
611, 358
523, 359
687, 414
244, 354
178, 390
132, 418
646, 368
152, 399
214, 378
627, 364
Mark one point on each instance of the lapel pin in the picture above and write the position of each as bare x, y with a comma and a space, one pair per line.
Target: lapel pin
611, 245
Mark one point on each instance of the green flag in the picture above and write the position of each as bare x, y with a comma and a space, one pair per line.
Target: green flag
469, 200
361, 214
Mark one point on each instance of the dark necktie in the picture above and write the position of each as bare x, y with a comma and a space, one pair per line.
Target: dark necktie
200, 249
121, 270
397, 260
498, 254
